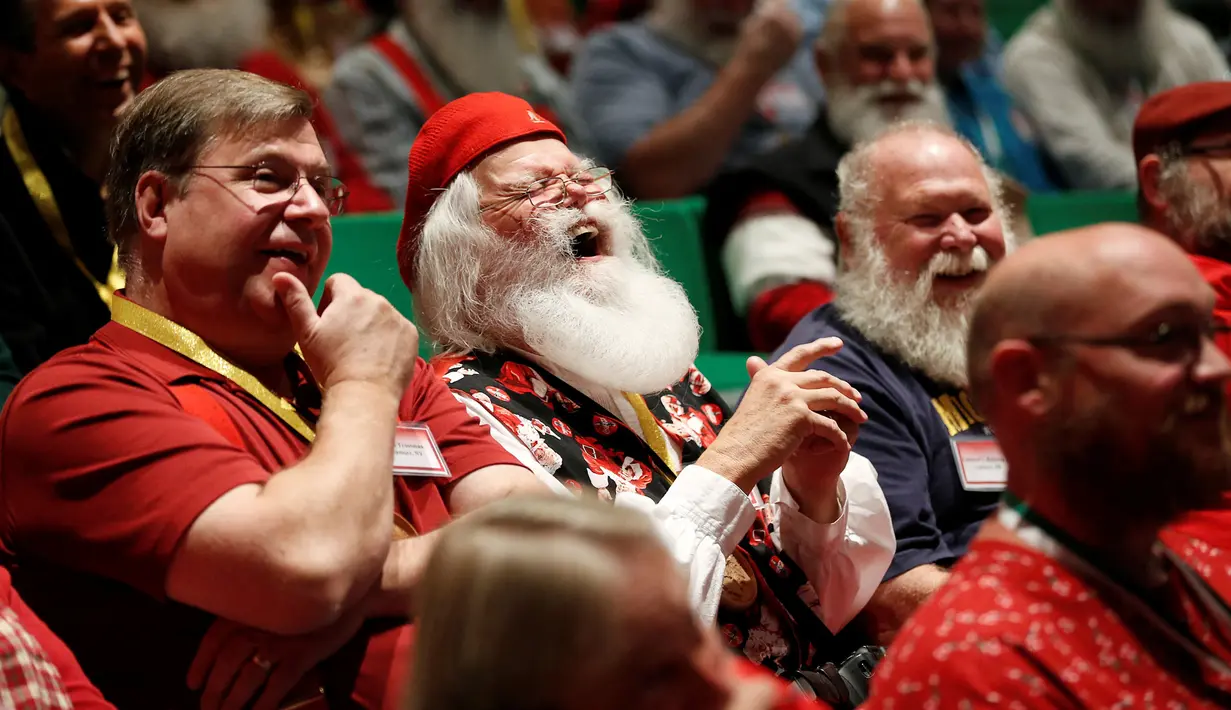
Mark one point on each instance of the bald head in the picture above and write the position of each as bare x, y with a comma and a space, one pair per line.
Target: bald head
1092, 281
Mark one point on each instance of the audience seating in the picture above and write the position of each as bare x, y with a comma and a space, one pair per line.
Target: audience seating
364, 248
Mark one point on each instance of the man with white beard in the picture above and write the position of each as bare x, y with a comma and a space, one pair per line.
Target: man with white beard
433, 52
774, 218
694, 87
1082, 68
921, 220
563, 335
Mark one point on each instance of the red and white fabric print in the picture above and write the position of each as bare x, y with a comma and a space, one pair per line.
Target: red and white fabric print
561, 427
765, 640
713, 413
604, 425
28, 680
1015, 629
497, 393
457, 372
634, 477
568, 404
600, 462
530, 433
697, 382
687, 423
521, 379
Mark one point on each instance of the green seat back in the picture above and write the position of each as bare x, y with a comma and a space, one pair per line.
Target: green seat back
1007, 16
1055, 212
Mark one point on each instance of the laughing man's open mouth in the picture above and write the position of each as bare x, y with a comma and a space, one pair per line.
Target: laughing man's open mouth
585, 242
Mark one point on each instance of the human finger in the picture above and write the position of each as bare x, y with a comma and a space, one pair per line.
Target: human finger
226, 668
755, 364
832, 401
281, 682
803, 355
820, 379
252, 676
297, 303
827, 428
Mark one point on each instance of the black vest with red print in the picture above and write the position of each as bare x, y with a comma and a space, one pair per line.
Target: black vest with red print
592, 452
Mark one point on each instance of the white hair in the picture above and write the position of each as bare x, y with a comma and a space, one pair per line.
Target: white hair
902, 317
617, 321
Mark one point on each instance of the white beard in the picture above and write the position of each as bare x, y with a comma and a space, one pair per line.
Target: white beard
202, 33
1196, 210
1126, 53
480, 53
616, 322
902, 318
856, 115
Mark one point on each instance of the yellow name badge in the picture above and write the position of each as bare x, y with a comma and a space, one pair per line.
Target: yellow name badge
415, 452
980, 463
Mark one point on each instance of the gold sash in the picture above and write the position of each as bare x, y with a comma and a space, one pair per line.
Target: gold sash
651, 431
45, 202
183, 341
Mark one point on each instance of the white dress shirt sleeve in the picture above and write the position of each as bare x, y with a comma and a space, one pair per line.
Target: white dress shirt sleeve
844, 560
703, 516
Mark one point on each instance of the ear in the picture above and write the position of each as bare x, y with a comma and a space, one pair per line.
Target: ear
153, 192
1020, 378
1149, 172
842, 228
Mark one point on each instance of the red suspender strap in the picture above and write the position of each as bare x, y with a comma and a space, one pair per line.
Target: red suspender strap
197, 401
429, 99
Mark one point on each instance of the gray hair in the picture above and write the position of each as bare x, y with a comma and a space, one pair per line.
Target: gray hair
169, 125
516, 591
858, 187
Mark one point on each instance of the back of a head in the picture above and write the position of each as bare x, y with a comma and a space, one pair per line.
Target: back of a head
518, 598
169, 125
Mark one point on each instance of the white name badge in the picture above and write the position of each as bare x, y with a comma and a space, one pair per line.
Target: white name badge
415, 452
980, 464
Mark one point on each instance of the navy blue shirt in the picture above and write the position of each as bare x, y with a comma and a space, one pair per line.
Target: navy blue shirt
911, 422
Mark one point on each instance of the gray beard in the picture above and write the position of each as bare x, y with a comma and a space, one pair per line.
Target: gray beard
855, 116
903, 320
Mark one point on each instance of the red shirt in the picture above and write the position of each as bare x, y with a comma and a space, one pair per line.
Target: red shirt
101, 474
34, 663
1217, 274
1013, 628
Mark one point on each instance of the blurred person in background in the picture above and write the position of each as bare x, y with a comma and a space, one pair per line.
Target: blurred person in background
69, 68
692, 87
562, 335
1081, 70
1091, 354
922, 219
981, 109
433, 52
774, 218
567, 604
291, 41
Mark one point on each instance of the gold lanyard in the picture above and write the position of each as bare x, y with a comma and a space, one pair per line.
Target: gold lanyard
189, 344
651, 430
45, 202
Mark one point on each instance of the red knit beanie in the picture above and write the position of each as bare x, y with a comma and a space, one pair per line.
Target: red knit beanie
456, 137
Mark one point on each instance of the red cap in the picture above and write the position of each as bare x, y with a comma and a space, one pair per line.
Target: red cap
456, 137
1180, 115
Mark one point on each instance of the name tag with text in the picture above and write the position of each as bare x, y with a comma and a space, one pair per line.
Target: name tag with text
415, 452
980, 463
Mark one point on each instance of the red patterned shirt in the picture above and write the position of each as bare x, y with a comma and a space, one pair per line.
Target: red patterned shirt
28, 681
1015, 629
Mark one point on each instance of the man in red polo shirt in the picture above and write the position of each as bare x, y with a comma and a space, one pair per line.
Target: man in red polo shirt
137, 472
